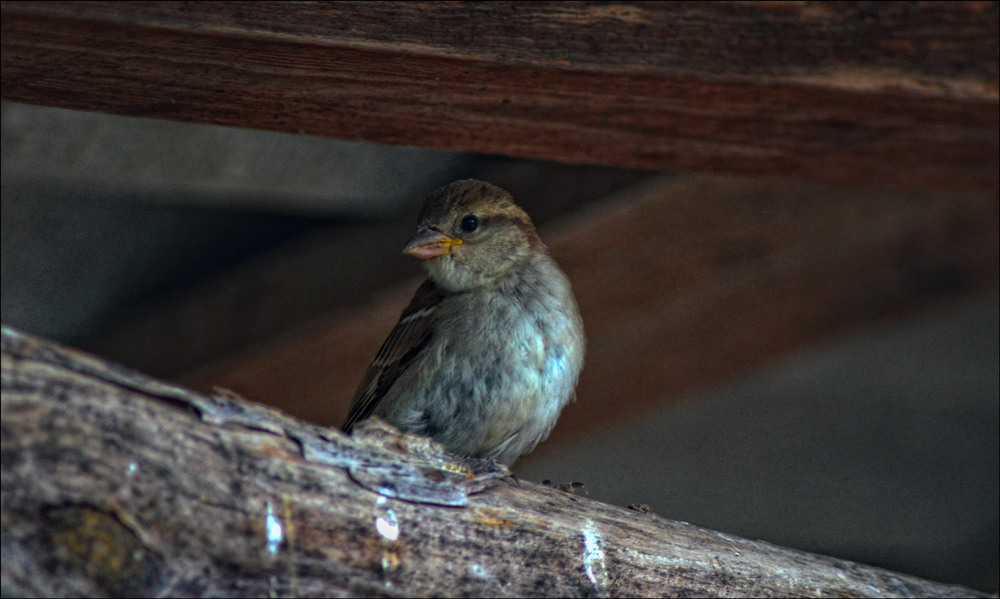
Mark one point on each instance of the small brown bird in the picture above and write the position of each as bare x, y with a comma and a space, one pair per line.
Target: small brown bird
490, 348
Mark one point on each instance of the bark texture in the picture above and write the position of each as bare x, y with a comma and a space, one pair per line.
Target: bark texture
117, 484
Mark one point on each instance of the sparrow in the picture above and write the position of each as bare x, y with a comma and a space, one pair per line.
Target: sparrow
489, 350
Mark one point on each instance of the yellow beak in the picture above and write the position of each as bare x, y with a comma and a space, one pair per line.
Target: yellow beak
429, 244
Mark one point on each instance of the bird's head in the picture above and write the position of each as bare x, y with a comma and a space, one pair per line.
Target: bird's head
471, 234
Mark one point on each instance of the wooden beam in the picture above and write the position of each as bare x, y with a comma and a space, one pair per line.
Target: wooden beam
118, 484
682, 282
901, 93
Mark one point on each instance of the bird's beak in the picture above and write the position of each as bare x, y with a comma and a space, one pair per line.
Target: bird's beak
427, 244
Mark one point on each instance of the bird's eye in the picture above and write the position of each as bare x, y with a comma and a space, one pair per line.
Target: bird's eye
470, 223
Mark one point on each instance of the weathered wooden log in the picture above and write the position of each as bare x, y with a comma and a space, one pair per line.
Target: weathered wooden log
117, 484
902, 93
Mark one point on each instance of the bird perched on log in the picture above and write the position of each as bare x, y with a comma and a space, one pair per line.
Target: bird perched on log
490, 347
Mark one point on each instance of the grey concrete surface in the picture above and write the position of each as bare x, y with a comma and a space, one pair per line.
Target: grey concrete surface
99, 211
153, 160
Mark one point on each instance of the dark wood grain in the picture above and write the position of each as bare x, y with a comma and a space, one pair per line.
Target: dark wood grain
901, 93
118, 485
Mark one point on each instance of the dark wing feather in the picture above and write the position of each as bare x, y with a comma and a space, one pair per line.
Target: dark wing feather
406, 341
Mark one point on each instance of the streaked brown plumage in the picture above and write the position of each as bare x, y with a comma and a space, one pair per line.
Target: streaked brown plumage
490, 348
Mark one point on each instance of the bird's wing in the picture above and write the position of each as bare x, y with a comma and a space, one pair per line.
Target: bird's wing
406, 341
